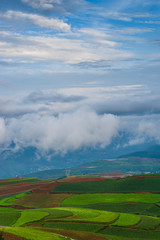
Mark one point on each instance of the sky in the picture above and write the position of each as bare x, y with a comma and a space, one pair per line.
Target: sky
77, 73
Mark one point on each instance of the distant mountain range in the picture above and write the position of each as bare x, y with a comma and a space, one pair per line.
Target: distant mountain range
30, 160
135, 163
151, 152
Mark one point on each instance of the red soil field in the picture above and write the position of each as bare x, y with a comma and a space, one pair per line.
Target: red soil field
46, 188
19, 187
82, 179
41, 200
77, 235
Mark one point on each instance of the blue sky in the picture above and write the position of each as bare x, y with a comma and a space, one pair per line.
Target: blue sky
63, 59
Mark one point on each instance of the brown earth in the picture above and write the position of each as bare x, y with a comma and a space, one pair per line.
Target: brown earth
76, 235
8, 236
42, 200
19, 187
82, 179
46, 188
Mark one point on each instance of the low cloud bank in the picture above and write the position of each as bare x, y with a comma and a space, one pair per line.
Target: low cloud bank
67, 132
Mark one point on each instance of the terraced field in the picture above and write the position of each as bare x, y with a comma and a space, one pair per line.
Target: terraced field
43, 212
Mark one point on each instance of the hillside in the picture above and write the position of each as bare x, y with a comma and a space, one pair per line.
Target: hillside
130, 165
80, 208
151, 152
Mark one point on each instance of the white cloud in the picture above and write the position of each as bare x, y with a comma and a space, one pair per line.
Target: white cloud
2, 131
99, 36
123, 16
42, 4
58, 6
59, 49
38, 20
70, 131
150, 129
49, 120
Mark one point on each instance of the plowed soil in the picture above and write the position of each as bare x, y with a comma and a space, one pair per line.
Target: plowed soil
46, 188
40, 200
81, 179
19, 187
77, 235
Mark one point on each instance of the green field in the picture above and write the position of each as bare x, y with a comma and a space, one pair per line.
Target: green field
88, 215
86, 199
150, 223
136, 208
126, 185
75, 226
121, 233
126, 219
32, 234
30, 216
8, 218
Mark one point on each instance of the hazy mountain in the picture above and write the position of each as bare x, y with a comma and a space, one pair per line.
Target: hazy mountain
29, 160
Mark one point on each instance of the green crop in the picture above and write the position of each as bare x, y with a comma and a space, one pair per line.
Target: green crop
126, 185
8, 218
28, 216
32, 234
148, 223
86, 199
127, 220
88, 215
75, 226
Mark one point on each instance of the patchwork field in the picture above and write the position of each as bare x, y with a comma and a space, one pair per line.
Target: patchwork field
73, 209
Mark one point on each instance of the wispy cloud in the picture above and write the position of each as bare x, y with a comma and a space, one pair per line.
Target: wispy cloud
58, 6
42, 4
50, 49
38, 20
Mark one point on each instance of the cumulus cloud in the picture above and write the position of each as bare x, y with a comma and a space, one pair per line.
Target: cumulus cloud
66, 132
140, 129
41, 21
150, 129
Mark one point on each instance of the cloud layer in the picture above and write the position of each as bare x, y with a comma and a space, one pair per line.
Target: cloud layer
72, 118
67, 132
